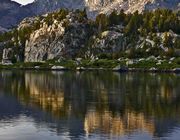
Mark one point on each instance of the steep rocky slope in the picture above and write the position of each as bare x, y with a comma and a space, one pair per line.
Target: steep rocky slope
170, 4
65, 38
70, 34
104, 5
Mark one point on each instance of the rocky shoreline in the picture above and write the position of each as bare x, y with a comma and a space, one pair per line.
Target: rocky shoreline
81, 69
150, 64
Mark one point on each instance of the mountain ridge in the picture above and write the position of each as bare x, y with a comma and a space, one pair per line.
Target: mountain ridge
11, 13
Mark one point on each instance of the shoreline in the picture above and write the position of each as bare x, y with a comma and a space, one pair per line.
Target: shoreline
145, 70
121, 65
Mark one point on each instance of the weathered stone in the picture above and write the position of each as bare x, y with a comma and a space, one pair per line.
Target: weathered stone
108, 42
7, 56
80, 68
37, 67
120, 68
176, 70
172, 59
131, 62
153, 69
58, 68
151, 58
54, 43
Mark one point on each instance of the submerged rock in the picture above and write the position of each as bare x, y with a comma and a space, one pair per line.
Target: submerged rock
120, 68
176, 70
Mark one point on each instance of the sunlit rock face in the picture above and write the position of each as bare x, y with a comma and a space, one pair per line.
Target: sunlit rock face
58, 40
103, 6
98, 6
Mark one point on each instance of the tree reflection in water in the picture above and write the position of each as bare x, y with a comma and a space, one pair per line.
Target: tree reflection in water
99, 102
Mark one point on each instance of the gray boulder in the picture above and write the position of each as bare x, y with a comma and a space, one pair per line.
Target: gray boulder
7, 56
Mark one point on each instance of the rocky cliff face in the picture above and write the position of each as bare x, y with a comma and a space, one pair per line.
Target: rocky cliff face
44, 6
109, 41
102, 6
64, 38
170, 4
69, 38
70, 35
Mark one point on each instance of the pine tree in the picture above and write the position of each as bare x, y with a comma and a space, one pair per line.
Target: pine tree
102, 22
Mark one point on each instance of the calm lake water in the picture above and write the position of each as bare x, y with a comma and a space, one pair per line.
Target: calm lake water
89, 105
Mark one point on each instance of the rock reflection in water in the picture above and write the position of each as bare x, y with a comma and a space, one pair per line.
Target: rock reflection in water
104, 102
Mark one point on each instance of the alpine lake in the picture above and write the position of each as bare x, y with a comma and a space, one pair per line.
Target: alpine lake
94, 105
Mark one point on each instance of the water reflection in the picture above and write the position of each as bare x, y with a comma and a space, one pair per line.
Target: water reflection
92, 104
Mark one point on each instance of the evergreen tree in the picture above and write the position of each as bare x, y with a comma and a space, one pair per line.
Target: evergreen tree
114, 18
167, 42
102, 22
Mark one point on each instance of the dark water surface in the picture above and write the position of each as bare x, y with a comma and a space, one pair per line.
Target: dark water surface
89, 105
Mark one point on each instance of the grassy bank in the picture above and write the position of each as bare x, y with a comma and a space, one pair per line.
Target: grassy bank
146, 64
